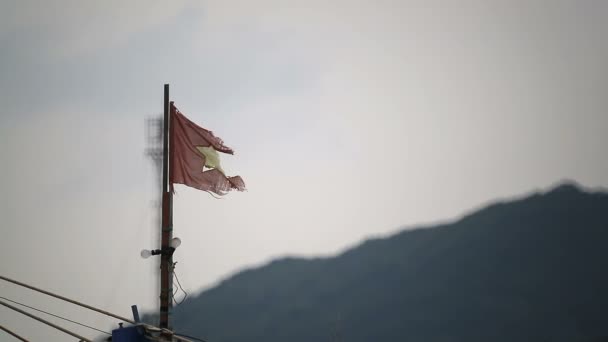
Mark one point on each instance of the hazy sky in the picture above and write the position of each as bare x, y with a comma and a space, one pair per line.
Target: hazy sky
349, 119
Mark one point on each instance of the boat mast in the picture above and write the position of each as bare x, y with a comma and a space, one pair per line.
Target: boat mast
166, 259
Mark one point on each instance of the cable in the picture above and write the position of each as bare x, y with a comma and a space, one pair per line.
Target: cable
147, 326
176, 289
180, 287
63, 318
179, 337
13, 334
174, 293
67, 300
81, 338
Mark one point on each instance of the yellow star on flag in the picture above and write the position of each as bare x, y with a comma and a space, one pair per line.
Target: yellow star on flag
212, 158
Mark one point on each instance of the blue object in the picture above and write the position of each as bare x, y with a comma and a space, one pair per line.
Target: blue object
129, 334
135, 313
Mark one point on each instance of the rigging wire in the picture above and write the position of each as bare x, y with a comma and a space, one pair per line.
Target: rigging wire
81, 338
63, 318
67, 300
146, 326
176, 289
180, 287
12, 334
180, 302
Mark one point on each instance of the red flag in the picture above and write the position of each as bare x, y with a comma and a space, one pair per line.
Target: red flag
194, 159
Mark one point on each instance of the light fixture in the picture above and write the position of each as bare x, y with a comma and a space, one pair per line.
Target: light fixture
175, 242
145, 253
168, 251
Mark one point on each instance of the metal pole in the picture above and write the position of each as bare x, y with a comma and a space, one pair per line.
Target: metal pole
67, 300
45, 322
166, 260
13, 334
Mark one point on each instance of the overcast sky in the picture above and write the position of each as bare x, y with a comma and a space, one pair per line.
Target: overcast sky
350, 119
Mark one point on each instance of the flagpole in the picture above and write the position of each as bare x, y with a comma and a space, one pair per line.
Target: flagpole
166, 259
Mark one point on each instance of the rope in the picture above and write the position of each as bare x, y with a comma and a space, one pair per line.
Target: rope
46, 322
146, 326
67, 300
13, 334
63, 318
180, 287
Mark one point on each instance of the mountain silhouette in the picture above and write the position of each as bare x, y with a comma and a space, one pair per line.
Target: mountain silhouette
532, 269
